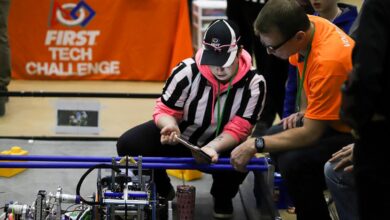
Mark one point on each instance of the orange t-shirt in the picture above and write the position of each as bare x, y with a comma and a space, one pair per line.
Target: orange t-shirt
328, 66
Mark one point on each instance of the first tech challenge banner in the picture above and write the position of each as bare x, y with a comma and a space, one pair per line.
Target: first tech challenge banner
98, 39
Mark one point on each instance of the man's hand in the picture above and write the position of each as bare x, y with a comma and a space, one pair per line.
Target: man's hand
344, 158
292, 121
241, 155
168, 134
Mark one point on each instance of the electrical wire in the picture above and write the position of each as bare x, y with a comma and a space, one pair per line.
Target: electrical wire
67, 209
85, 175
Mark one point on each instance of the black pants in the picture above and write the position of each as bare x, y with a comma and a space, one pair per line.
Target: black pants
371, 167
274, 70
303, 173
144, 140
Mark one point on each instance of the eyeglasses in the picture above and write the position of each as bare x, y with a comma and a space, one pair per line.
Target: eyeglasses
274, 48
219, 48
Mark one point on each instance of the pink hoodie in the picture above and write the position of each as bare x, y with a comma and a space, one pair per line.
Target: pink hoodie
238, 127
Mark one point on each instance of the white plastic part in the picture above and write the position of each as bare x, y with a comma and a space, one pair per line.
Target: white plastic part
170, 211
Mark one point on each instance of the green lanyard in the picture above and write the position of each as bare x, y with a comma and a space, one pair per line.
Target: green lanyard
300, 80
219, 114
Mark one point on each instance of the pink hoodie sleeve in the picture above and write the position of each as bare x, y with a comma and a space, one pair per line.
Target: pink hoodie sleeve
161, 109
239, 128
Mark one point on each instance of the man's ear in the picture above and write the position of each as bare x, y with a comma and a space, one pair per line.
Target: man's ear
300, 35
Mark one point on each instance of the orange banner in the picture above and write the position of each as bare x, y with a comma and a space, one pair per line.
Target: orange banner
98, 39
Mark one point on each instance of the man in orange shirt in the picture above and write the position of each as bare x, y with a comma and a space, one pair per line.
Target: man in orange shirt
302, 143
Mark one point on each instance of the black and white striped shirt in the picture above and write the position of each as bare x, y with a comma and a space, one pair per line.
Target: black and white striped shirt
188, 91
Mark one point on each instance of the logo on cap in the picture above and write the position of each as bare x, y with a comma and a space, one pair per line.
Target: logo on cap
215, 43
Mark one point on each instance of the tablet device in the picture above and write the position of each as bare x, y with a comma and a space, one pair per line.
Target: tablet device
196, 151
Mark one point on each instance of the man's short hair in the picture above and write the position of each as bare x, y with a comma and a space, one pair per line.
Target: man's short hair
285, 16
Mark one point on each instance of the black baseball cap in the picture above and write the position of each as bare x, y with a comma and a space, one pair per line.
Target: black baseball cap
220, 43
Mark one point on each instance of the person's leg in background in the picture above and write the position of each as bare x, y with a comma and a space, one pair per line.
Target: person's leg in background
5, 59
289, 106
241, 12
275, 73
341, 185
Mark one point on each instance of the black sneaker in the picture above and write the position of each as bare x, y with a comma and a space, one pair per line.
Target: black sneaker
223, 208
169, 195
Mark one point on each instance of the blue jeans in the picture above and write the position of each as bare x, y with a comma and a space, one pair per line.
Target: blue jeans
341, 185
